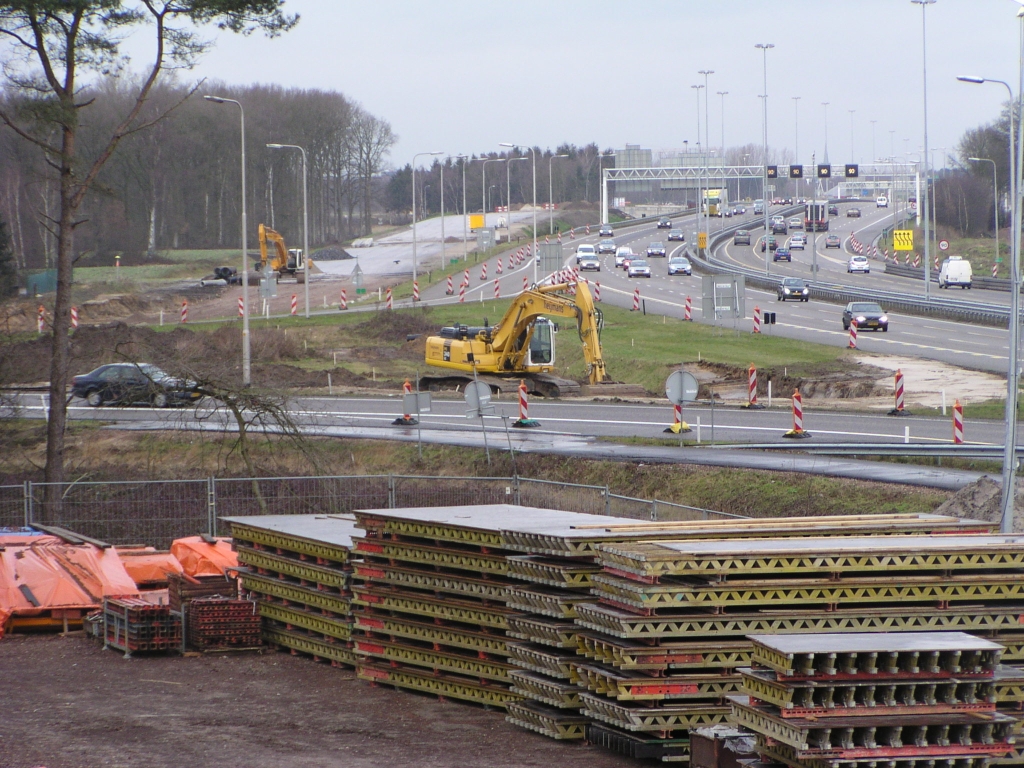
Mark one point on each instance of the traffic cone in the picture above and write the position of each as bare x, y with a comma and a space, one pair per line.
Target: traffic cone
752, 403
524, 419
406, 420
678, 425
798, 418
899, 410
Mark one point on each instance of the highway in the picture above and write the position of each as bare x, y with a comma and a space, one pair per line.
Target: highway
958, 343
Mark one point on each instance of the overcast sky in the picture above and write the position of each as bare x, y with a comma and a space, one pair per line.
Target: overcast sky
462, 76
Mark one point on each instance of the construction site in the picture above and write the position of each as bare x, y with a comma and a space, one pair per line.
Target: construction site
507, 635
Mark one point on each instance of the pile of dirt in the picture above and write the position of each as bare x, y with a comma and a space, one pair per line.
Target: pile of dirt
824, 384
982, 500
398, 326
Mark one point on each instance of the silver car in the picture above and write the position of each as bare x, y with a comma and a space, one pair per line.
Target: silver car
656, 249
741, 237
591, 263
638, 268
680, 265
606, 246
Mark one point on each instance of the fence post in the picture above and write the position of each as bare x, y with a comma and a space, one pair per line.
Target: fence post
607, 502
27, 503
211, 504
654, 509
391, 491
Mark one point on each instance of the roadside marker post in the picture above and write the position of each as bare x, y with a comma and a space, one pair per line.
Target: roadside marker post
917, 260
295, 305
41, 319
757, 320
450, 290
798, 418
597, 291
415, 290
853, 335
497, 290
465, 278
636, 300
958, 423
524, 421
241, 307
462, 293
752, 403
406, 420
526, 283
499, 270
688, 312
388, 302
898, 388
995, 270
344, 300
184, 312
483, 271
74, 318
588, 229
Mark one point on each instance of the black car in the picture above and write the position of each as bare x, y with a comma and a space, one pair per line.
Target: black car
772, 243
833, 210
606, 231
782, 254
130, 383
869, 316
779, 228
664, 223
676, 234
792, 288
741, 237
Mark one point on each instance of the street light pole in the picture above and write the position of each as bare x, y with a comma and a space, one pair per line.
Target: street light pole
1013, 369
414, 255
700, 168
707, 146
551, 195
533, 156
246, 353
764, 47
924, 157
465, 220
305, 220
723, 94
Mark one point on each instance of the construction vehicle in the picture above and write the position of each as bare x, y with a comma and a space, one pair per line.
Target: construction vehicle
285, 261
521, 346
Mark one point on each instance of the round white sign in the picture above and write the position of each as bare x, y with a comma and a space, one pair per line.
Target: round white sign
943, 245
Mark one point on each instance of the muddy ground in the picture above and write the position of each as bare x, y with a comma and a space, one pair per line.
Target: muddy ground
66, 703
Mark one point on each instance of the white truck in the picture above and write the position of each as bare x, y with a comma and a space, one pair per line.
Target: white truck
955, 271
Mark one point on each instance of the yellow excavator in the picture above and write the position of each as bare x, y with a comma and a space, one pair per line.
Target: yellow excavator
520, 346
285, 261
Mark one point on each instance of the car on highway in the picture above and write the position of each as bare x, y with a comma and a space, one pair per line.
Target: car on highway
623, 253
606, 231
792, 288
779, 227
782, 254
833, 241
583, 250
132, 384
833, 209
727, 213
772, 243
664, 223
741, 237
868, 314
590, 263
882, 202
606, 246
679, 265
758, 206
798, 242
638, 268
858, 263
676, 235
853, 213
656, 248
739, 210
796, 223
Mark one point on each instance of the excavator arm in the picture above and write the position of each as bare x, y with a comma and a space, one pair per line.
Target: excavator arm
280, 261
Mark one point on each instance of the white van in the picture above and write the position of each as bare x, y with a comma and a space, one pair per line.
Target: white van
584, 250
882, 202
955, 271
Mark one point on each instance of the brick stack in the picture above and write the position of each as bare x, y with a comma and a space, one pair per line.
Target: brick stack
922, 699
298, 570
220, 622
131, 624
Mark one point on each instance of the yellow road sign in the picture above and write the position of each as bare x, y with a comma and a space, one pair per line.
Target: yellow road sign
702, 240
903, 240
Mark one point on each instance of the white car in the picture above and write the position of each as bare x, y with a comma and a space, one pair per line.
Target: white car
858, 264
638, 268
584, 251
882, 202
623, 253
798, 242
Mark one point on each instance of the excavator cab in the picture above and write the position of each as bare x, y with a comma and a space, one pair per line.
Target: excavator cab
542, 343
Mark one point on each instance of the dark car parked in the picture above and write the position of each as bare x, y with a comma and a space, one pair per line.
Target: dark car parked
128, 384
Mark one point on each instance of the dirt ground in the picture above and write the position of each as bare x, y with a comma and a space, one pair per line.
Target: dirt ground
66, 703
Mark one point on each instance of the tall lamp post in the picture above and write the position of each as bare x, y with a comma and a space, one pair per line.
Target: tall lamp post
551, 195
533, 156
246, 354
414, 256
305, 219
707, 146
483, 185
924, 157
700, 166
465, 220
764, 48
1013, 372
723, 94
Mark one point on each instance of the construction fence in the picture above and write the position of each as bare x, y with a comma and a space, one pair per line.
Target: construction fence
155, 512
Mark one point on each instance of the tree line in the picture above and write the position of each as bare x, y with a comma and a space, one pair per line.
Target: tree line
178, 183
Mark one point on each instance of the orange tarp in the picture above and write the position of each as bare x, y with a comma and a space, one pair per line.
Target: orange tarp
198, 558
147, 566
42, 573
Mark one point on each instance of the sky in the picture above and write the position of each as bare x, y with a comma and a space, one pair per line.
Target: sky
462, 77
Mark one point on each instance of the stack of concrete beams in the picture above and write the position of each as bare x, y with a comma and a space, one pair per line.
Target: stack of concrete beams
671, 617
909, 699
298, 569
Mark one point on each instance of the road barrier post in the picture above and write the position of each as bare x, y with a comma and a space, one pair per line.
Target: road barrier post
499, 270
636, 300
407, 420
752, 389
462, 293
597, 291
74, 318
415, 290
853, 334
757, 320
344, 299
497, 289
449, 290
798, 417
688, 312
958, 423
184, 312
524, 420
483, 271
388, 301
295, 305
995, 270
898, 388
465, 277
526, 283
241, 307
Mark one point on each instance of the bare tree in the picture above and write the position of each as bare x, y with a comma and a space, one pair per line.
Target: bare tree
56, 41
371, 140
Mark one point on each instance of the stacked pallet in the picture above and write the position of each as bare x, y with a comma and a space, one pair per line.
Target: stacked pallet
223, 623
182, 589
910, 699
298, 569
671, 618
131, 624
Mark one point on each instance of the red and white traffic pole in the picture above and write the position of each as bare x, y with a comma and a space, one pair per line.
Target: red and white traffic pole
636, 299
388, 302
853, 334
241, 307
497, 289
415, 290
184, 311
898, 393
526, 283
757, 320
295, 305
524, 419
958, 423
798, 417
74, 318
465, 277
450, 289
344, 299
597, 291
752, 388
500, 270
483, 271
688, 312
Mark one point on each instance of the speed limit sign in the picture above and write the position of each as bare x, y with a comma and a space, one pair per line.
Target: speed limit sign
943, 245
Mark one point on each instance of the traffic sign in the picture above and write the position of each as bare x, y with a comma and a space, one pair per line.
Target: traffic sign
702, 240
903, 239
478, 397
772, 171
824, 171
796, 171
681, 387
852, 170
943, 245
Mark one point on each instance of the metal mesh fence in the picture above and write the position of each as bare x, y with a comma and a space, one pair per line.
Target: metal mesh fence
12, 506
626, 506
412, 491
153, 513
299, 495
565, 496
